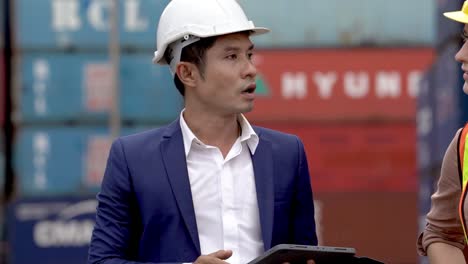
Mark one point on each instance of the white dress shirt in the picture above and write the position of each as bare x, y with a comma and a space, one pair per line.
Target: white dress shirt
224, 194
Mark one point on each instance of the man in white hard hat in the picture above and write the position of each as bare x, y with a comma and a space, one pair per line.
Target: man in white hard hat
208, 188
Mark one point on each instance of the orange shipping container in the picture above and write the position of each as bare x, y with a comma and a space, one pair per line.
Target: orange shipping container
380, 225
353, 157
339, 84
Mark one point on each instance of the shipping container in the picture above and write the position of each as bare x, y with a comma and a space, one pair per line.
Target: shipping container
58, 24
354, 157
338, 84
50, 161
446, 83
2, 165
2, 191
59, 229
3, 20
439, 110
379, 225
308, 23
3, 88
50, 230
425, 120
57, 87
427, 186
447, 31
85, 24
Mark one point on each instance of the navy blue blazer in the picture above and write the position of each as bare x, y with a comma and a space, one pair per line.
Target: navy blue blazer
145, 212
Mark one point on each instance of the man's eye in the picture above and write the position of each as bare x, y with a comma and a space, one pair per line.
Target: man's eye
232, 56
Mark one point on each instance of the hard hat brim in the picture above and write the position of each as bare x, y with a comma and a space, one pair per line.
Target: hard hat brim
458, 16
158, 55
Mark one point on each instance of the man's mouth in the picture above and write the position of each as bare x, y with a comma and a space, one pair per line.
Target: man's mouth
250, 89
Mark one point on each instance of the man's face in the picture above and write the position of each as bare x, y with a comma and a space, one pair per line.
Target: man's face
462, 57
228, 82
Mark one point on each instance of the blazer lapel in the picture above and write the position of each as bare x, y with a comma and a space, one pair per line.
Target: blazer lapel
263, 169
173, 154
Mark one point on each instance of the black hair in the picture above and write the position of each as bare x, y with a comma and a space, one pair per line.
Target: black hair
194, 53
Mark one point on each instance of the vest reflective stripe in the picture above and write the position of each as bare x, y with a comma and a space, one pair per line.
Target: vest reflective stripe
462, 160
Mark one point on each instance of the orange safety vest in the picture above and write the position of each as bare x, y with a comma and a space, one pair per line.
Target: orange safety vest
462, 150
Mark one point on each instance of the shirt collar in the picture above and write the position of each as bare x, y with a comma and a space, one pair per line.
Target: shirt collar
248, 134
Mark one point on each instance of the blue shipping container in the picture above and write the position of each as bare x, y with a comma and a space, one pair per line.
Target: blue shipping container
439, 109
447, 91
84, 24
298, 23
57, 87
3, 17
50, 230
447, 30
2, 164
50, 161
2, 88
306, 23
426, 142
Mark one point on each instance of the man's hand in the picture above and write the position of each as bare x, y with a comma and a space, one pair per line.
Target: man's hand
217, 257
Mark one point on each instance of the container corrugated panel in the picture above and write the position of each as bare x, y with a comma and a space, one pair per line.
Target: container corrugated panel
2, 163
427, 183
425, 120
2, 88
428, 168
358, 156
84, 24
2, 24
339, 84
62, 160
439, 109
447, 87
58, 87
53, 230
379, 225
301, 23
305, 23
448, 31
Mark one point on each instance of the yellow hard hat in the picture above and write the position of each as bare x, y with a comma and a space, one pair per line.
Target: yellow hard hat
460, 16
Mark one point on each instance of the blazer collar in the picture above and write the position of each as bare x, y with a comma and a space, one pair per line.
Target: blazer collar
262, 162
172, 151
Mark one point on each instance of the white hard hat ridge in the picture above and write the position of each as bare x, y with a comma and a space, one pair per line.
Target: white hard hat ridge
194, 19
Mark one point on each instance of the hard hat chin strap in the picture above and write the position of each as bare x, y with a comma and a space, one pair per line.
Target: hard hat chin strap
175, 49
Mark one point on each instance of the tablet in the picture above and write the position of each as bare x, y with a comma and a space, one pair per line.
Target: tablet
299, 254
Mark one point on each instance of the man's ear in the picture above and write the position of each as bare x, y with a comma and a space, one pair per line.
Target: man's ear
187, 73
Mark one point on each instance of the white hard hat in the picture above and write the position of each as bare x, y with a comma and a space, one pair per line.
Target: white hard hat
184, 22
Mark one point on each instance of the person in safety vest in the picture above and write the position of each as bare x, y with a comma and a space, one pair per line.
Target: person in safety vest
209, 187
445, 234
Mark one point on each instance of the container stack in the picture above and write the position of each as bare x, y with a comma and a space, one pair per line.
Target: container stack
63, 88
342, 75
63, 96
